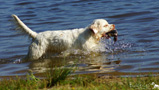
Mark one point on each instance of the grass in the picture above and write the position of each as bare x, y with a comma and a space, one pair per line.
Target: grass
51, 78
94, 83
57, 76
60, 79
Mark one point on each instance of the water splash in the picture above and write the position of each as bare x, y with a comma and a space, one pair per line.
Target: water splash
119, 46
17, 61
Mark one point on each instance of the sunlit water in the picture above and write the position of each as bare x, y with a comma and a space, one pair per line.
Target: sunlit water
136, 51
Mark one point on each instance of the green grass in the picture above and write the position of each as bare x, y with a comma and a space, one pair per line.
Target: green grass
60, 79
30, 82
94, 83
57, 76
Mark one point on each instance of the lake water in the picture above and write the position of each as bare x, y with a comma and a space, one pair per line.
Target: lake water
137, 22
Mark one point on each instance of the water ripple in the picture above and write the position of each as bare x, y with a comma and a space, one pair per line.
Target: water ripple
136, 50
130, 14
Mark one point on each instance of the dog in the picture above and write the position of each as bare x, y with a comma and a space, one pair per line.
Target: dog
86, 39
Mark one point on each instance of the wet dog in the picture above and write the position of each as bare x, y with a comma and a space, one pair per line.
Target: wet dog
61, 40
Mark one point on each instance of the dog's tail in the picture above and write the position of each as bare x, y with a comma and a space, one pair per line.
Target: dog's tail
26, 29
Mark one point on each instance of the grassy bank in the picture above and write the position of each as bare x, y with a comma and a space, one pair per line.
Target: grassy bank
59, 79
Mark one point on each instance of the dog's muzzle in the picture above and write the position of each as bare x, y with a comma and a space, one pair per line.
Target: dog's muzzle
112, 33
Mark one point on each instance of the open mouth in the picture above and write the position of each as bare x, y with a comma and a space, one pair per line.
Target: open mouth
112, 33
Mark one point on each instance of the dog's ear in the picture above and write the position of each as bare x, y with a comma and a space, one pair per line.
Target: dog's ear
94, 28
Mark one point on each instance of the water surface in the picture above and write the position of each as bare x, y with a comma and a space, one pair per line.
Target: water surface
137, 22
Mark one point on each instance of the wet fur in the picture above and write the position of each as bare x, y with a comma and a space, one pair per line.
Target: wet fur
62, 40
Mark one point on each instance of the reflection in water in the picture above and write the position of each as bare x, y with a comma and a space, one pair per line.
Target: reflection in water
83, 63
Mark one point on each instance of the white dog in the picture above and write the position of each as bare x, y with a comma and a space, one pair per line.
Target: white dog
59, 41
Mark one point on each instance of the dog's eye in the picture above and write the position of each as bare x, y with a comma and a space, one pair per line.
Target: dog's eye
105, 25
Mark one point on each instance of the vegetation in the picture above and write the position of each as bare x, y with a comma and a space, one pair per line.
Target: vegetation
60, 79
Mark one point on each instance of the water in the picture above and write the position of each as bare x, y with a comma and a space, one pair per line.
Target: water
137, 22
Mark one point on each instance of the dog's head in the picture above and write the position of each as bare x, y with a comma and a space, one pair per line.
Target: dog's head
101, 28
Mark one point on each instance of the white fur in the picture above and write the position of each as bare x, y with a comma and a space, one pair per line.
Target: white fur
62, 40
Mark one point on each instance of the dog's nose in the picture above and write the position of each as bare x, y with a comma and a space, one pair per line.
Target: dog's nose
113, 27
